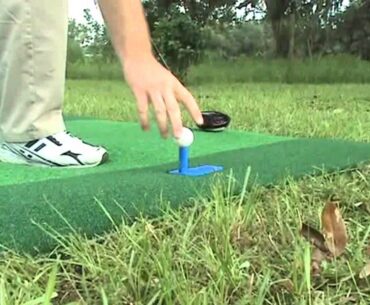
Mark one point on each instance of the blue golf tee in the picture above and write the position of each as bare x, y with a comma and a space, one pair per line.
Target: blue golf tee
184, 159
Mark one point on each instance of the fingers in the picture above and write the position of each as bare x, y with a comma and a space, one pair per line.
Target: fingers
165, 101
142, 107
160, 112
161, 107
188, 100
174, 113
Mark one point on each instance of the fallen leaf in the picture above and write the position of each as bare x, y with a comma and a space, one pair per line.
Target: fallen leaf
240, 237
346, 300
334, 229
314, 237
317, 257
365, 272
288, 285
285, 284
363, 206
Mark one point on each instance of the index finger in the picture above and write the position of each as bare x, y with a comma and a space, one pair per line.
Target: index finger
142, 107
174, 113
189, 101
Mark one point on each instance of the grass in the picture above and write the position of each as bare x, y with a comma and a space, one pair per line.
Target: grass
327, 70
243, 249
305, 110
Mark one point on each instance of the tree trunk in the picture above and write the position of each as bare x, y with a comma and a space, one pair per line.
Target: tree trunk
283, 31
282, 19
292, 36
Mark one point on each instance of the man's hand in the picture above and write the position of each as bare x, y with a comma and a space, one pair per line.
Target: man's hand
149, 81
152, 83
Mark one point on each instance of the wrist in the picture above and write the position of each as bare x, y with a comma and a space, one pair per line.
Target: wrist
137, 55
135, 48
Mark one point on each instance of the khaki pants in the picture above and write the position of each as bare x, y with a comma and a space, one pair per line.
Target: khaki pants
33, 39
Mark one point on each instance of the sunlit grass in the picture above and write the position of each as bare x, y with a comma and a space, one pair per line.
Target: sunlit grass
229, 249
325, 70
304, 110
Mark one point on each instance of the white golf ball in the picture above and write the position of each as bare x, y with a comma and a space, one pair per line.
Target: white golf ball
186, 139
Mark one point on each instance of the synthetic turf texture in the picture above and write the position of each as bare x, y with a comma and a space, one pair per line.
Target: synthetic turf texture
135, 181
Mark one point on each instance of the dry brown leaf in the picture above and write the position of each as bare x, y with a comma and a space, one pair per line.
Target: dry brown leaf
240, 237
334, 229
364, 206
346, 300
367, 251
288, 285
365, 272
285, 284
317, 257
314, 237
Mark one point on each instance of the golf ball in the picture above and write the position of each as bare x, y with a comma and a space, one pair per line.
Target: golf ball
186, 139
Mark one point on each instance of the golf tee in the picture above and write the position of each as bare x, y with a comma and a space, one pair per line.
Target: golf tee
184, 159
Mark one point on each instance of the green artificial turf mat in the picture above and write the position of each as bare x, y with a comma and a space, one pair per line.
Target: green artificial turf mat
130, 147
135, 181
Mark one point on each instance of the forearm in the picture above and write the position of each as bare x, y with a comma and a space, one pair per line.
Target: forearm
128, 28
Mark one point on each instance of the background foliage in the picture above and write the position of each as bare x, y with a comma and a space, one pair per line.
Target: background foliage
188, 32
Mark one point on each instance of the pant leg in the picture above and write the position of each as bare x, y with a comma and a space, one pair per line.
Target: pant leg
33, 46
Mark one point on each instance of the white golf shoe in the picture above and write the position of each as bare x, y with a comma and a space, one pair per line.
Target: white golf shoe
59, 150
